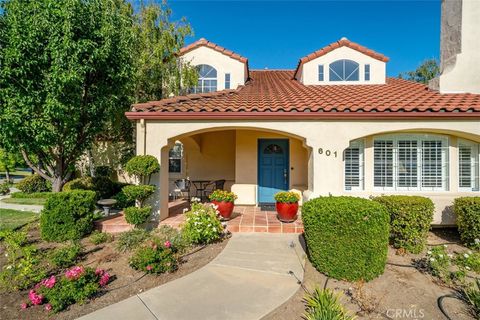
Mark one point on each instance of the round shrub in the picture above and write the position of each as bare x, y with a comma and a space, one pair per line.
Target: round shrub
467, 210
104, 187
122, 201
67, 215
202, 224
83, 183
139, 193
410, 220
347, 237
4, 188
137, 216
142, 166
34, 183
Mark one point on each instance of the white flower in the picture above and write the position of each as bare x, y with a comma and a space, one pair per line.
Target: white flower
432, 259
467, 267
477, 241
9, 267
440, 256
445, 246
214, 229
469, 252
450, 255
465, 255
185, 210
429, 252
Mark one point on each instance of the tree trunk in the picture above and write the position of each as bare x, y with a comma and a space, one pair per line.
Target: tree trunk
91, 165
57, 184
7, 175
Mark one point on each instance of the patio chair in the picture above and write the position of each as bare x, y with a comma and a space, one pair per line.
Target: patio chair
214, 185
181, 186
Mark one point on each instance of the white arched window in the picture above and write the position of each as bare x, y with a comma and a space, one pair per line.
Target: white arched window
343, 70
207, 79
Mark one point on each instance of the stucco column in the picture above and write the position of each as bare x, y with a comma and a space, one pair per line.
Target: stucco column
325, 167
368, 160
163, 185
453, 164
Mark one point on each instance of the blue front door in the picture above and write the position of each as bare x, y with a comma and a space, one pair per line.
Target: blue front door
272, 168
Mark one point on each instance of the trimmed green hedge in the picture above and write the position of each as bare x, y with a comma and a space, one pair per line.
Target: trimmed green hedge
67, 215
467, 210
34, 183
410, 220
35, 195
347, 237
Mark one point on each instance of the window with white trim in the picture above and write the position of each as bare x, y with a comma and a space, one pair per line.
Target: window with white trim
175, 156
227, 80
468, 166
343, 70
207, 79
367, 72
354, 166
410, 162
320, 72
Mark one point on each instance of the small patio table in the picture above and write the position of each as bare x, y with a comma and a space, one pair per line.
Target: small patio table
200, 186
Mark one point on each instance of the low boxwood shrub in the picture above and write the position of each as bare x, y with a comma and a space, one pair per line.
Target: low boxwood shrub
410, 220
67, 215
36, 195
4, 188
83, 183
34, 183
123, 201
103, 186
467, 210
202, 224
137, 216
155, 258
66, 256
347, 237
98, 237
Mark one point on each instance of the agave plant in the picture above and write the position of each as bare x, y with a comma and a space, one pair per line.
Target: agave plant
324, 305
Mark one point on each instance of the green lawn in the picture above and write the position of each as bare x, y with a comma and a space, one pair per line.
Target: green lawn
10, 219
38, 201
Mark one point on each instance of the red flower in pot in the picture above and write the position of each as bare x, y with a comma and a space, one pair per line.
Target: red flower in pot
224, 200
287, 205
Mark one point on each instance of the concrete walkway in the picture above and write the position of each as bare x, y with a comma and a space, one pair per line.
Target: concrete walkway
247, 280
21, 207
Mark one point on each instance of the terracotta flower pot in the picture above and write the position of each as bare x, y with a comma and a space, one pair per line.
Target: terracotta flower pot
225, 208
286, 212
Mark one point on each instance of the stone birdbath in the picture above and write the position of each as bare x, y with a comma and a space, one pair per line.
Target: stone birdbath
106, 204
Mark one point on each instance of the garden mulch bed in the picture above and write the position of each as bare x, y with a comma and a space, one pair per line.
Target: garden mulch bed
400, 293
127, 282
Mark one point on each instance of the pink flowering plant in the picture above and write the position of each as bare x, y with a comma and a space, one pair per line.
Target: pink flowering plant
157, 256
76, 285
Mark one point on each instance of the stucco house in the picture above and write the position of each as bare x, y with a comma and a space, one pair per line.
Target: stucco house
334, 125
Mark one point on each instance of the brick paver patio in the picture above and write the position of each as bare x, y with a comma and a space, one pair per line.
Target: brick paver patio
245, 219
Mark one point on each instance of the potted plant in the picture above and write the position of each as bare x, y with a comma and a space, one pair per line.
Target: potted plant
287, 205
224, 200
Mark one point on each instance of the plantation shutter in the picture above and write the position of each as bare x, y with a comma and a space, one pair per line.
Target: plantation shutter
354, 166
383, 163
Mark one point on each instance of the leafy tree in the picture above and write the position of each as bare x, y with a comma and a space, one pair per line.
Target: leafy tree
65, 67
428, 70
159, 71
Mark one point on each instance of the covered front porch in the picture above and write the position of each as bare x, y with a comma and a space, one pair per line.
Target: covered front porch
252, 163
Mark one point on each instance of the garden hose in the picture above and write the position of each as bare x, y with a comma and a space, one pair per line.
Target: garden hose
440, 303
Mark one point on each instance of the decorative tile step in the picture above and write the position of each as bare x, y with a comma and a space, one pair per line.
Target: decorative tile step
113, 224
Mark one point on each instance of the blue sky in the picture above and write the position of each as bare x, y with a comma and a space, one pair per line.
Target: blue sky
275, 34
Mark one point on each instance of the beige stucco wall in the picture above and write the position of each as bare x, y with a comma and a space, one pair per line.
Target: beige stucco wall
325, 173
462, 72
309, 73
222, 63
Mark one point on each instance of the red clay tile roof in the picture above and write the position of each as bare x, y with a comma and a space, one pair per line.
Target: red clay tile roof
337, 44
277, 91
204, 42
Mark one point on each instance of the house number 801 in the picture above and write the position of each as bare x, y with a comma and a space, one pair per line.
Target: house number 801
327, 152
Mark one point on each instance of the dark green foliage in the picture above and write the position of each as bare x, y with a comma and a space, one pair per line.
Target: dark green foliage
34, 183
139, 193
410, 220
137, 216
347, 237
467, 210
425, 72
123, 201
472, 297
103, 186
67, 215
4, 188
324, 305
166, 233
103, 171
142, 167
65, 257
131, 239
98, 237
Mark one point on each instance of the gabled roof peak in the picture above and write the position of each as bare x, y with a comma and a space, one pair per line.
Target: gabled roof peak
202, 42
